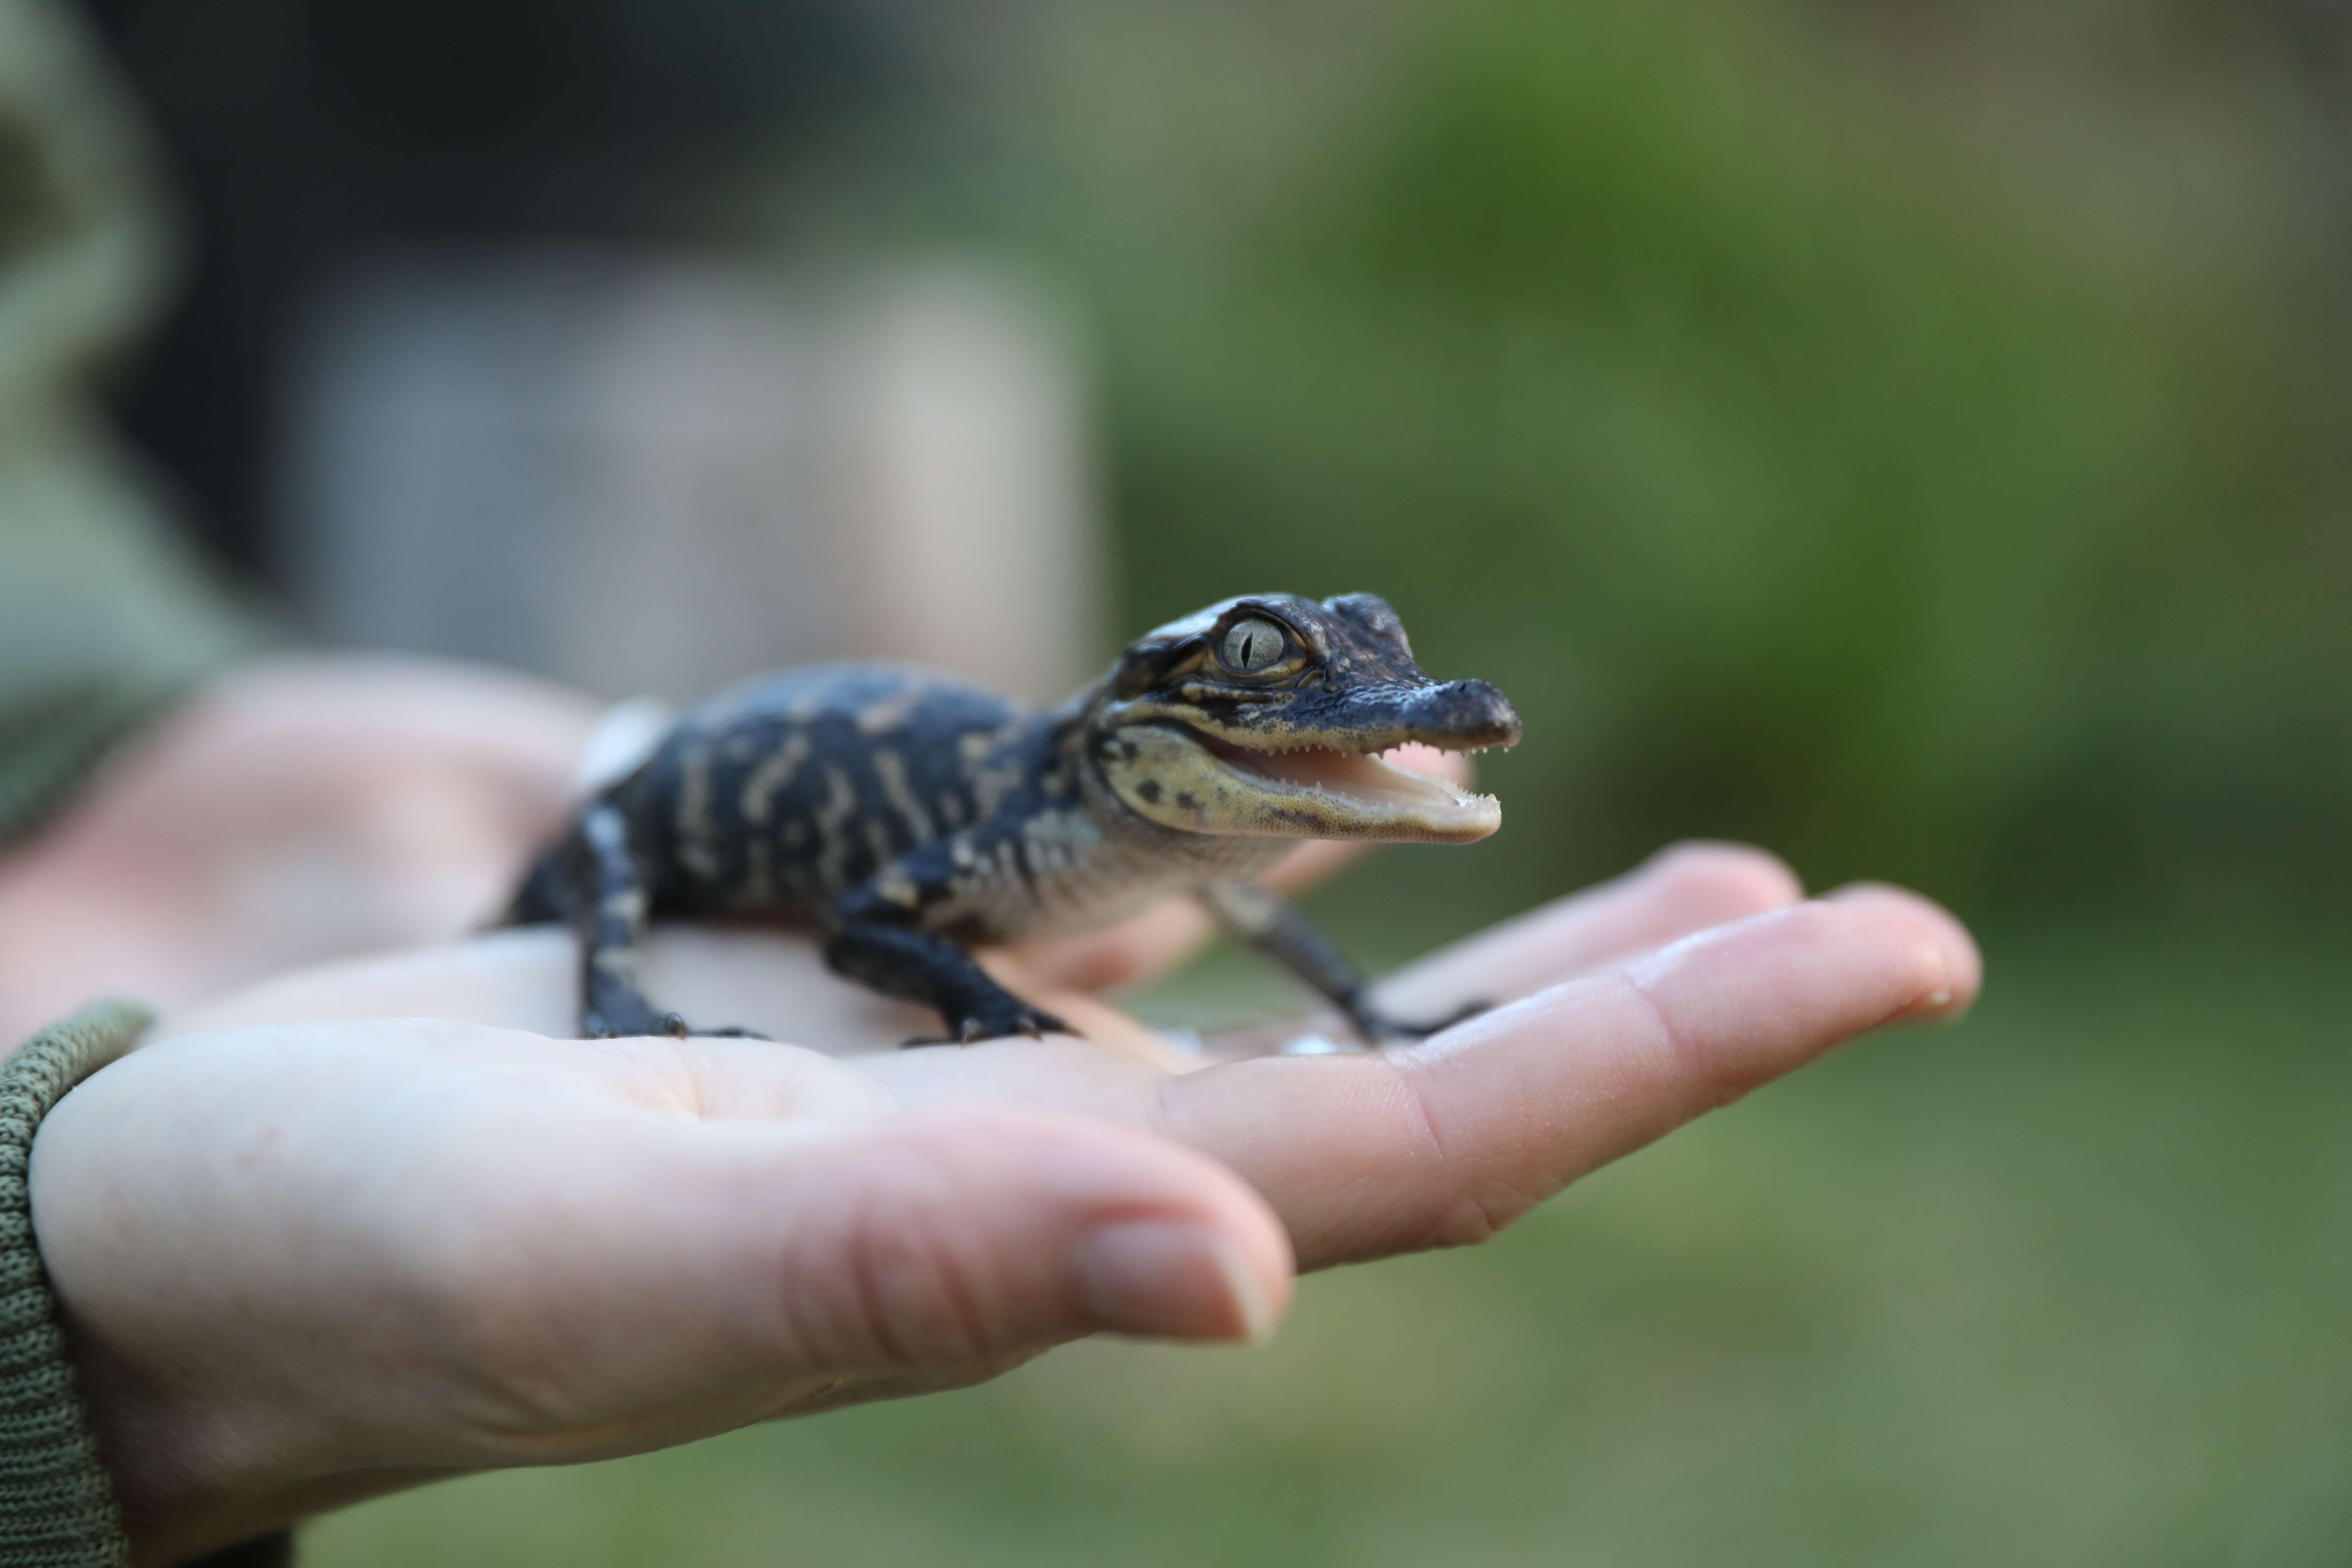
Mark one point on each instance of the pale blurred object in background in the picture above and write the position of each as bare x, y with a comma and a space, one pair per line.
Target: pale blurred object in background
636, 472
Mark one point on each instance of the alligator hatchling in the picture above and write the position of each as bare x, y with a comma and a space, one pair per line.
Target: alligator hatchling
908, 817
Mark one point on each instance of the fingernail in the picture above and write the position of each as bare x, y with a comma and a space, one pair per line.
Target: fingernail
1170, 1280
1956, 951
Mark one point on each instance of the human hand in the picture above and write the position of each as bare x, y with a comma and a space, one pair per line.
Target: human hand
298, 809
418, 1234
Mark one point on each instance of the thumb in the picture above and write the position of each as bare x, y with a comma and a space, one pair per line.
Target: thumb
728, 1270
964, 1234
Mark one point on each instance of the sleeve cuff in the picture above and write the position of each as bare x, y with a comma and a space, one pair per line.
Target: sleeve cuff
57, 1503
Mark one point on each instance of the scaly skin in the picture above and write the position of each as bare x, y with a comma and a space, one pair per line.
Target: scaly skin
909, 817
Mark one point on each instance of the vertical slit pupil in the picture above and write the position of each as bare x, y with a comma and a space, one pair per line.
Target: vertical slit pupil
1252, 645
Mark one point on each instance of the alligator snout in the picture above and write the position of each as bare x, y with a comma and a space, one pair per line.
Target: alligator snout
1462, 715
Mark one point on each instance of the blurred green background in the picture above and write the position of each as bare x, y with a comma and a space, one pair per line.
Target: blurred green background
1912, 436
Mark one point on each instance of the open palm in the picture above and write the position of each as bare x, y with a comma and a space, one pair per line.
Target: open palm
385, 1221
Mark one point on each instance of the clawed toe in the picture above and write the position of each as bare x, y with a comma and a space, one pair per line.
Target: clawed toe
1037, 1025
976, 1028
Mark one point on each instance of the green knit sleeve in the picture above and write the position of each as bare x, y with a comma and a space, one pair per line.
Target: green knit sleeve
105, 615
56, 1506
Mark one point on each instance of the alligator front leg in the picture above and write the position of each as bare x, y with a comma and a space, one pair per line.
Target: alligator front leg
607, 898
936, 971
1261, 919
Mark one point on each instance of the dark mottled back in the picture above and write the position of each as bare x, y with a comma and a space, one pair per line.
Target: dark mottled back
777, 796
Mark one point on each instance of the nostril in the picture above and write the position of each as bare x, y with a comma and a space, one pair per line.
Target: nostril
1473, 713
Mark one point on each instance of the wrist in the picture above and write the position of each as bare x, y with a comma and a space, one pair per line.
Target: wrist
56, 1506
197, 1448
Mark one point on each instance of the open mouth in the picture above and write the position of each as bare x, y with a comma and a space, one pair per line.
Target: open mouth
1376, 798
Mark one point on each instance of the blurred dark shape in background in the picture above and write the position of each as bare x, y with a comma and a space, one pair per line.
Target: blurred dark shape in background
465, 366
307, 135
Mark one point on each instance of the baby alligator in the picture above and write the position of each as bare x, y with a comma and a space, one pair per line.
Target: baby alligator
908, 817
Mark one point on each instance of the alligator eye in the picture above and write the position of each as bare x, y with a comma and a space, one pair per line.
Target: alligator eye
1253, 644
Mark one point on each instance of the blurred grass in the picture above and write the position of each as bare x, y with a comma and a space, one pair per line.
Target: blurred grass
1933, 478
2065, 1285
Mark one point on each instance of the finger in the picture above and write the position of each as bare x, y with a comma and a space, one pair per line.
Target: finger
1145, 943
1684, 889
1678, 890
366, 704
1447, 1141
1968, 963
732, 1271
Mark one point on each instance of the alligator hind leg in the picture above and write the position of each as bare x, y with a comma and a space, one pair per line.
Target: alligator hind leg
609, 903
1261, 919
936, 971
